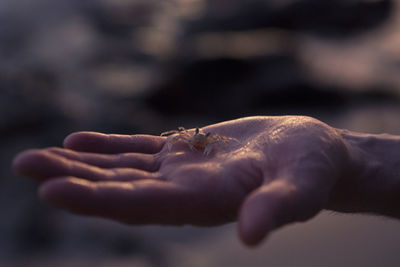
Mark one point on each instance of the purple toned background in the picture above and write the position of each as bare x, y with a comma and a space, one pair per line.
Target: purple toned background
146, 66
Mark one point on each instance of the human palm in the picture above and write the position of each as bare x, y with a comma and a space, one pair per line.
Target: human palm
274, 171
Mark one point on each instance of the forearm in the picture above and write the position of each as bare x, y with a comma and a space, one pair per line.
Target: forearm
371, 183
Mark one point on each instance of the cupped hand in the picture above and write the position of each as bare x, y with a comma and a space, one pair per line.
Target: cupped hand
276, 170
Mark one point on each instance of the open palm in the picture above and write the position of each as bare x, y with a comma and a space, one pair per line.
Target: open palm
277, 170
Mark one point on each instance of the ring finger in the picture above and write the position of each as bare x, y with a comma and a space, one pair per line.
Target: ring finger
43, 165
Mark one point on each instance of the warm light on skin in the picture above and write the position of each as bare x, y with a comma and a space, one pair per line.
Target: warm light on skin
81, 182
308, 166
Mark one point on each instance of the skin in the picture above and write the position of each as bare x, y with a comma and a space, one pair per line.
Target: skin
280, 171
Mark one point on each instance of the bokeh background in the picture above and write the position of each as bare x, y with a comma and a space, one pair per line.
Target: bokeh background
146, 66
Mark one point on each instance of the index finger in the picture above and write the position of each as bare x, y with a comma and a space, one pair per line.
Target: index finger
114, 143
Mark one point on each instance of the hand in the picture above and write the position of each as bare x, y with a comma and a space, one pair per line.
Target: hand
279, 170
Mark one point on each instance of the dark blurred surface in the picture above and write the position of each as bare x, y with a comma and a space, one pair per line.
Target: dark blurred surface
146, 66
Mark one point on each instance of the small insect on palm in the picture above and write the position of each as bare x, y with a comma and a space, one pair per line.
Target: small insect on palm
198, 140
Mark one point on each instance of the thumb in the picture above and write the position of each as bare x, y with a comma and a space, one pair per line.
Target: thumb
273, 205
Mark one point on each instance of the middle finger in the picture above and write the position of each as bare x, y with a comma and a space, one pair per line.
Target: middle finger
140, 161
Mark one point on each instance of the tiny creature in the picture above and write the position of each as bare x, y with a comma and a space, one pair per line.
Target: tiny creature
197, 140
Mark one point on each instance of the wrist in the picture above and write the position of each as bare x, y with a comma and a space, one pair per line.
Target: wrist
372, 180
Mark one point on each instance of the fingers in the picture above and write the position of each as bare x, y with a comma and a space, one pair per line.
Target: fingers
125, 160
42, 165
114, 143
141, 202
274, 205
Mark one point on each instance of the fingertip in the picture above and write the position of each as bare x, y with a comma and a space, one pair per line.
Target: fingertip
254, 225
24, 161
65, 191
268, 208
69, 140
46, 190
17, 161
258, 215
81, 140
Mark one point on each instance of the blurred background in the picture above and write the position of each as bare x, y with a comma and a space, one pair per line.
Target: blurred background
147, 66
